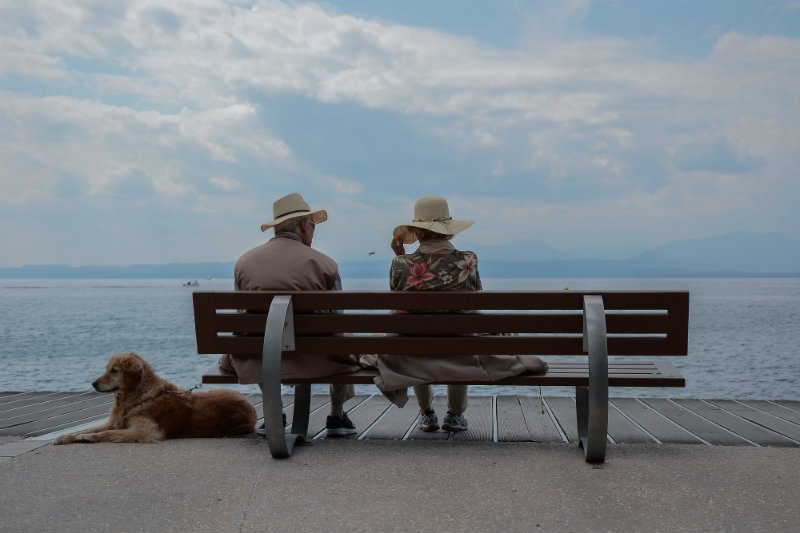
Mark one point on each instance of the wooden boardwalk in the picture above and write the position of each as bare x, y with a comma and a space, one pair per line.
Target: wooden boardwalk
492, 418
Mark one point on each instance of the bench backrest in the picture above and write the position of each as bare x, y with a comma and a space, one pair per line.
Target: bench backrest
382, 322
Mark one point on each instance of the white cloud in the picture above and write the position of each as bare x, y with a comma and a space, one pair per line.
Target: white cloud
338, 185
171, 103
225, 183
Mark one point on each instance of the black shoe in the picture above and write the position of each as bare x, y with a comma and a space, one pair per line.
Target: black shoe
339, 426
262, 429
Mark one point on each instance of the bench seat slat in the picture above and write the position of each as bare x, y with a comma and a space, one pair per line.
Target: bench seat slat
486, 345
646, 374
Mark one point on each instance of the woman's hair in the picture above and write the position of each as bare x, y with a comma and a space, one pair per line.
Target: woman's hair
427, 235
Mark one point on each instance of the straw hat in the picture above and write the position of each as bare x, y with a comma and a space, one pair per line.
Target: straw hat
293, 206
433, 214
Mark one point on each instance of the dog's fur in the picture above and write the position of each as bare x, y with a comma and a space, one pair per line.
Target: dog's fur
148, 408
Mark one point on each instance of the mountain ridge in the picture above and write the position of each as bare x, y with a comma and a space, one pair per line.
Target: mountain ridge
739, 254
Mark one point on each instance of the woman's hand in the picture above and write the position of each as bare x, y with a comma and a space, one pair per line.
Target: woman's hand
397, 247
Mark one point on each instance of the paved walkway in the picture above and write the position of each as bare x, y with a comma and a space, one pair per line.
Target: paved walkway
232, 485
673, 465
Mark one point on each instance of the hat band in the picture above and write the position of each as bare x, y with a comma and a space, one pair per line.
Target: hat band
293, 212
439, 219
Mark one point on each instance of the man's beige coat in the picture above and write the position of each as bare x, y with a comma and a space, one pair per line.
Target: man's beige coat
285, 263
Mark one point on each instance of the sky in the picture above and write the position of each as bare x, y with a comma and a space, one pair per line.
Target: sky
154, 132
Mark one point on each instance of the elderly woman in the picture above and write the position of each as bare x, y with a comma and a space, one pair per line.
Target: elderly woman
437, 265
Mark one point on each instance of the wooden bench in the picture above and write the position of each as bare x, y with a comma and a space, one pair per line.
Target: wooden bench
592, 324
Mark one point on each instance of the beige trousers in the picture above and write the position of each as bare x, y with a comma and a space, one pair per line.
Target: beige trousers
456, 398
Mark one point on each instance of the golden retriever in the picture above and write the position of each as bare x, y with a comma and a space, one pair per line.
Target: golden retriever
149, 409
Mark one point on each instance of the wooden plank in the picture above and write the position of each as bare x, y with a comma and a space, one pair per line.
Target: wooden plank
564, 411
623, 431
651, 420
541, 427
97, 408
675, 301
775, 409
644, 375
16, 396
511, 425
395, 424
366, 413
733, 423
789, 404
43, 409
765, 420
215, 375
456, 345
480, 420
25, 423
439, 323
31, 398
694, 423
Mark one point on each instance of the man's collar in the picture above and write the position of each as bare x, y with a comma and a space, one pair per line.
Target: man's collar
287, 235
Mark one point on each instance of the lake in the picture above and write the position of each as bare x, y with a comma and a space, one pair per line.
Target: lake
55, 335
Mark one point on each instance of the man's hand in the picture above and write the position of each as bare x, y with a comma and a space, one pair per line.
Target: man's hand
397, 247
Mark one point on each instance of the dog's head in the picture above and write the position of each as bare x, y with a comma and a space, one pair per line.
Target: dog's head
124, 372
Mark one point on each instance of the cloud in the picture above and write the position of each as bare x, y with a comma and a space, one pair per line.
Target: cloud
225, 183
120, 150
203, 107
715, 154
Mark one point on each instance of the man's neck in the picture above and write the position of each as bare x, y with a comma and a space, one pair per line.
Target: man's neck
288, 235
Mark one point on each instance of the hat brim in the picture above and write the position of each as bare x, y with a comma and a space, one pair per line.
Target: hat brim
405, 232
318, 217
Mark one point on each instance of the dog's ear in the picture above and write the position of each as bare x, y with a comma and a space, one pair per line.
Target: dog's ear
132, 369
133, 363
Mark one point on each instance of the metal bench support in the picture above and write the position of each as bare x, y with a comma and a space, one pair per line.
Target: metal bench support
279, 338
592, 401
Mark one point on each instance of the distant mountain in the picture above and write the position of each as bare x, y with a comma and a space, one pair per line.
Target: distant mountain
170, 270
731, 255
739, 252
518, 251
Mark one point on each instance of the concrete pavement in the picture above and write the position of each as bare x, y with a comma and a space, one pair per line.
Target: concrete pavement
232, 485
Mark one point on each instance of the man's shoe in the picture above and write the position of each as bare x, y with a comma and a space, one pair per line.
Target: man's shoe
262, 429
454, 422
339, 426
428, 422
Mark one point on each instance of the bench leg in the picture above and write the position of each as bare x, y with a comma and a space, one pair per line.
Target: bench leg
591, 403
278, 337
302, 409
592, 426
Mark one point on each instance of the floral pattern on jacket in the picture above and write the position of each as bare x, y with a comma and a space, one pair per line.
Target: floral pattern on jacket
418, 271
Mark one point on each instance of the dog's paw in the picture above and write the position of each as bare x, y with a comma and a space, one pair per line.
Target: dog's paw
85, 437
64, 439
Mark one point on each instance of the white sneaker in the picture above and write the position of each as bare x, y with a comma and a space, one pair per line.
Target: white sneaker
454, 422
428, 422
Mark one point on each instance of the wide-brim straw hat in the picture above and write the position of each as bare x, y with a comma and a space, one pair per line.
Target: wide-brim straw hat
433, 214
293, 206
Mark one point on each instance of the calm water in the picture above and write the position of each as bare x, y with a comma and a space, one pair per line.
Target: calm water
57, 334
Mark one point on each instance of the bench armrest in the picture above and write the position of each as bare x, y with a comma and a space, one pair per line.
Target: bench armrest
279, 337
592, 401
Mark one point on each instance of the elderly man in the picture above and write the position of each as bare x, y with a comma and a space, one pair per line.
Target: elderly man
287, 262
